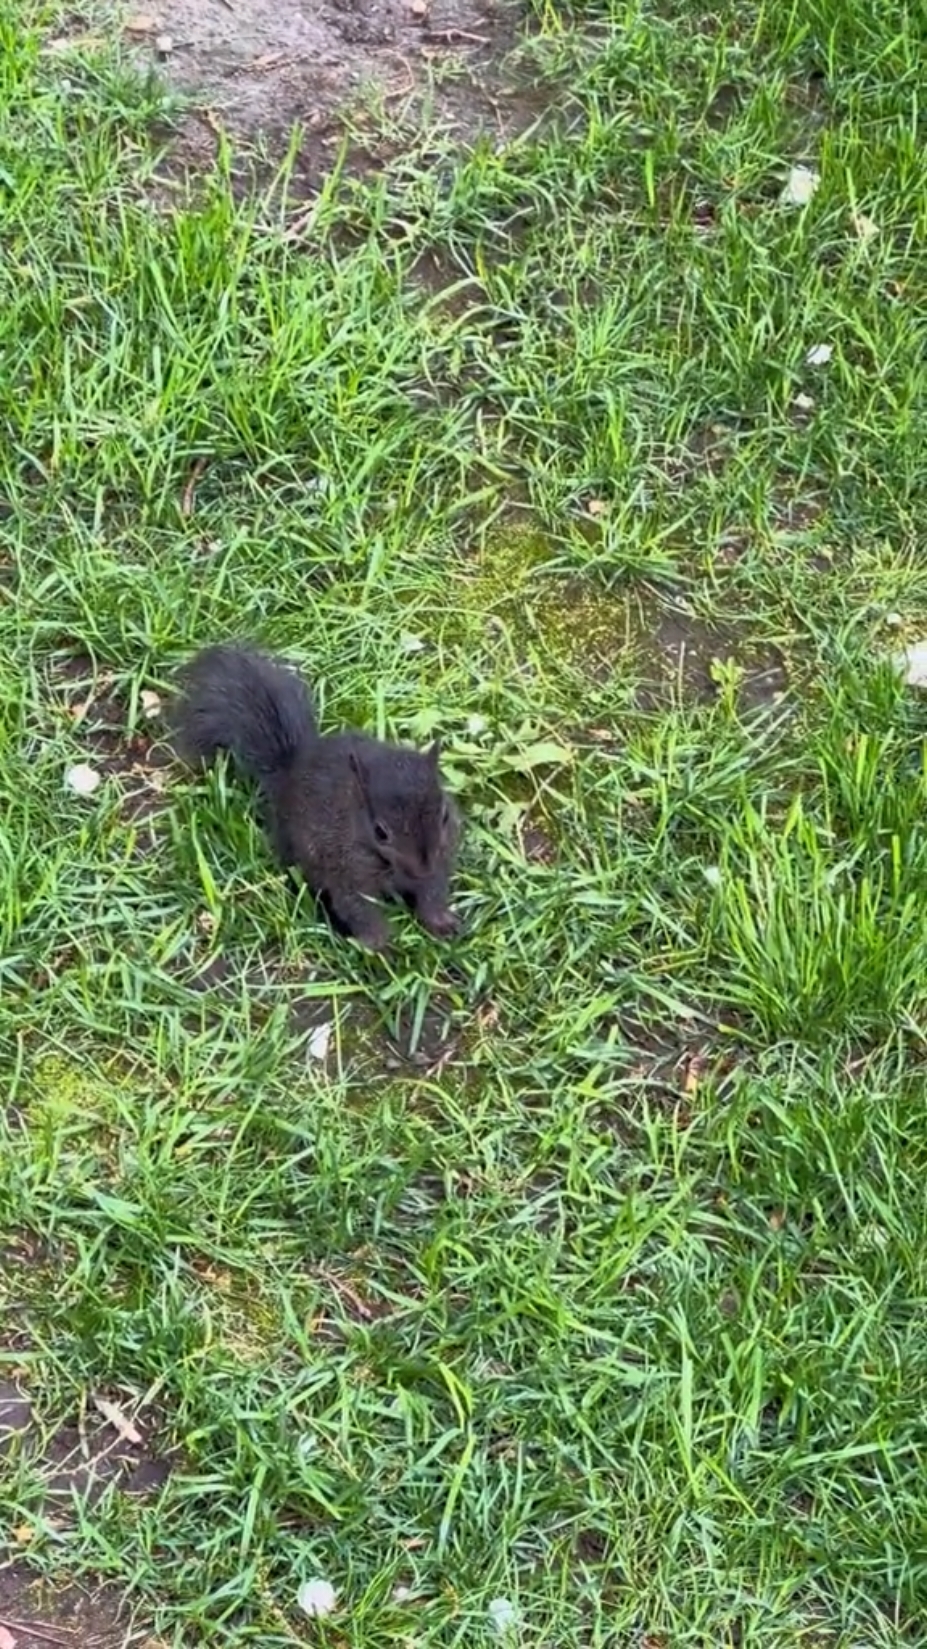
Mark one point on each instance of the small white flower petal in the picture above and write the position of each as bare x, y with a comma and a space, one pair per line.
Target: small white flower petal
712, 875
802, 182
82, 779
317, 1598
819, 354
804, 403
401, 1594
476, 725
503, 1615
318, 1042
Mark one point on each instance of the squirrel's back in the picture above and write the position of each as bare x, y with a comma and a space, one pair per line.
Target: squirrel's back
237, 699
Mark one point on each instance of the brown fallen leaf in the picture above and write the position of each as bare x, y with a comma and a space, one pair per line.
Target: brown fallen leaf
695, 1069
141, 23
115, 1417
24, 1534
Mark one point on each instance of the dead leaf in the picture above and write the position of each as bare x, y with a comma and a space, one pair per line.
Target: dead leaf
141, 23
694, 1071
24, 1534
596, 507
115, 1417
151, 701
866, 227
78, 43
777, 1219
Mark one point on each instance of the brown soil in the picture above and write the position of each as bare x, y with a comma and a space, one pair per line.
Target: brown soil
34, 1615
257, 68
80, 1459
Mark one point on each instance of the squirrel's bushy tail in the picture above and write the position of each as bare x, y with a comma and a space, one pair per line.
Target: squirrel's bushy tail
237, 699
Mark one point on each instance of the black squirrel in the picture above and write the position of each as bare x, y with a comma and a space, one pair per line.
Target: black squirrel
362, 819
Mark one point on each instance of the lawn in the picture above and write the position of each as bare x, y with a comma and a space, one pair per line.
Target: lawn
577, 1268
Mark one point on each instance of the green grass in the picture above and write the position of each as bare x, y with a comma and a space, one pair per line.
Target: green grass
605, 1292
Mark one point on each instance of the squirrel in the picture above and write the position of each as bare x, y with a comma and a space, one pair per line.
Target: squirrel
362, 819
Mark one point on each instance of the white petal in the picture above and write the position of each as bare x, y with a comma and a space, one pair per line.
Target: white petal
82, 779
802, 182
318, 1042
503, 1614
712, 875
151, 701
401, 1594
819, 354
804, 403
317, 1598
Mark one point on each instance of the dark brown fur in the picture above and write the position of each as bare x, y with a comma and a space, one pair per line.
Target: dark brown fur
363, 820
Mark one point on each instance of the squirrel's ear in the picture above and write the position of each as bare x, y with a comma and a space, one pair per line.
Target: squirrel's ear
434, 752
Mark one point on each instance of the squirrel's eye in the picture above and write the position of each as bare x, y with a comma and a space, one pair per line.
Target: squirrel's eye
380, 831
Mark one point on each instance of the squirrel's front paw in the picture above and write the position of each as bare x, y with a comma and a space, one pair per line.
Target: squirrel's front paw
374, 934
442, 923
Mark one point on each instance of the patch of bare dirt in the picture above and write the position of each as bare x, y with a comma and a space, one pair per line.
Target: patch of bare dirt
100, 717
34, 1614
259, 67
103, 1447
690, 655
77, 1459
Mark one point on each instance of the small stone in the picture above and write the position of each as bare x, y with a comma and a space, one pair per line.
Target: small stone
151, 701
82, 779
164, 45
503, 1615
318, 1042
317, 1598
801, 185
912, 664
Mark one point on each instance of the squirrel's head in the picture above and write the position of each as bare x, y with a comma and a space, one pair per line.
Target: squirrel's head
408, 816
